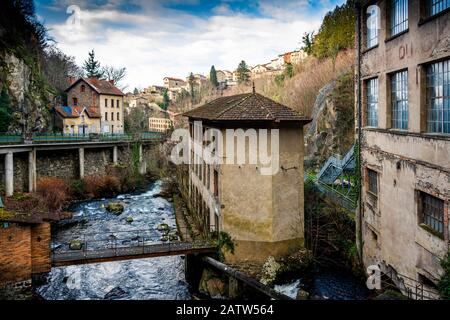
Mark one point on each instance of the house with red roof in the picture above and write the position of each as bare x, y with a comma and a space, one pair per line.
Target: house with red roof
93, 106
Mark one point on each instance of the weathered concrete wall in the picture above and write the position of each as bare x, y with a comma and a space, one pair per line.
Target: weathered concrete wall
407, 162
20, 171
262, 213
96, 161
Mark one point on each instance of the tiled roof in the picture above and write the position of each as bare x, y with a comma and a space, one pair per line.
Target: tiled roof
246, 106
100, 86
75, 112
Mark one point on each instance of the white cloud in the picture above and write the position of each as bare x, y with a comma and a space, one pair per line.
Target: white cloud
157, 41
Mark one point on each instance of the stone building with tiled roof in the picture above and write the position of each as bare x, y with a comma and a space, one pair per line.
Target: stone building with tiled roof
96, 97
258, 202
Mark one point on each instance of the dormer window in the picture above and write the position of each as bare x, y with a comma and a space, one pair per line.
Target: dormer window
83, 88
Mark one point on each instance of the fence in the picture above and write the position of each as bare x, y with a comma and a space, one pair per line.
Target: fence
7, 138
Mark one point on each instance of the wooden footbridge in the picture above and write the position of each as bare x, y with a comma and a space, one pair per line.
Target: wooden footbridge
126, 245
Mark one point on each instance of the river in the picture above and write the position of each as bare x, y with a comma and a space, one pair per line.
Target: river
153, 278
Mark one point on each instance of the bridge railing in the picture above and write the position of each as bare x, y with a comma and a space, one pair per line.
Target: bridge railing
9, 138
119, 243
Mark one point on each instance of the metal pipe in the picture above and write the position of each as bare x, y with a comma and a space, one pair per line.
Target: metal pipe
358, 32
246, 279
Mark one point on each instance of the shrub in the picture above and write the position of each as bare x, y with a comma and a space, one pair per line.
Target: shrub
99, 186
53, 192
77, 189
444, 282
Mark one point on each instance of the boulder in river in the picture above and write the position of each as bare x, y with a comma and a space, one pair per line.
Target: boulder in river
115, 208
164, 238
129, 219
163, 227
302, 295
115, 293
76, 244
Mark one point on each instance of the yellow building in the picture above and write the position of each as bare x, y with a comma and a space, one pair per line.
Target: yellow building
159, 124
77, 120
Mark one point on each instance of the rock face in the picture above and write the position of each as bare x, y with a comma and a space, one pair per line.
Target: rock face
212, 285
30, 100
270, 271
332, 128
115, 208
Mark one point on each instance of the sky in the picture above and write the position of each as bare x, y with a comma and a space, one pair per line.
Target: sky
153, 39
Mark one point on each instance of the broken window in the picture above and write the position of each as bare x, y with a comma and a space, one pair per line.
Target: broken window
373, 181
399, 96
432, 210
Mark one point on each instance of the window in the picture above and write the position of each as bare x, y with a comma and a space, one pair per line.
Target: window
399, 16
75, 101
436, 6
117, 104
372, 26
216, 183
432, 211
118, 116
112, 116
106, 116
372, 102
373, 181
438, 97
106, 103
83, 88
112, 128
399, 100
112, 103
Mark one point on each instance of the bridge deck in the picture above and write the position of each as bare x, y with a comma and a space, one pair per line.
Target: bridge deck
74, 257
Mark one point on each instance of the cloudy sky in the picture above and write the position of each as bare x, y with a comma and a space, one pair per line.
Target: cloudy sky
158, 38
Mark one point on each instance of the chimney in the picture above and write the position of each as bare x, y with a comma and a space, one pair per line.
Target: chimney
111, 81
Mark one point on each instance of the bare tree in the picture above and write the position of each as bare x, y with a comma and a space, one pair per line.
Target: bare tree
115, 74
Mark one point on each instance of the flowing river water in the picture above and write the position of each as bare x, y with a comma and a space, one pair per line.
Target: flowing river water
153, 278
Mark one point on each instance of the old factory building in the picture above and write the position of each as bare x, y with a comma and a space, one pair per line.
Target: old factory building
263, 212
405, 137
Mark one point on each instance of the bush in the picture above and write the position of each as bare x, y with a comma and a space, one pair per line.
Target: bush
53, 192
444, 282
99, 186
77, 189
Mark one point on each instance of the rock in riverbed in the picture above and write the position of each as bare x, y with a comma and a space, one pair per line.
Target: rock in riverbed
115, 208
75, 245
129, 219
163, 227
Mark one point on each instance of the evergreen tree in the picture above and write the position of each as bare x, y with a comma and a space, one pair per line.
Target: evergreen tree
308, 42
213, 77
166, 100
92, 66
136, 91
5, 110
243, 74
191, 81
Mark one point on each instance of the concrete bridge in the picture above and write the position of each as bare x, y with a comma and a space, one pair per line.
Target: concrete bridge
21, 164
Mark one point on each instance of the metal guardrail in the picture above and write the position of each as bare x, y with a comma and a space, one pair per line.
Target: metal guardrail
6, 138
131, 242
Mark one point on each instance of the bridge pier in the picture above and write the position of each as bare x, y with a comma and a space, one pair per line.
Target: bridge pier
142, 163
193, 269
9, 174
115, 160
81, 160
32, 170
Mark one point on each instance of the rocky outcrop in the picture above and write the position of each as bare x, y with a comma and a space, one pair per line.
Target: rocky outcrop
332, 128
212, 285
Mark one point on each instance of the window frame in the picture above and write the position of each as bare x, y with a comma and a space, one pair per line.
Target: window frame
422, 215
394, 102
391, 27
442, 113
368, 102
369, 189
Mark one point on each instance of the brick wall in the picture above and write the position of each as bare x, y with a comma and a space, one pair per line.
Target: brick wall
15, 254
40, 248
24, 249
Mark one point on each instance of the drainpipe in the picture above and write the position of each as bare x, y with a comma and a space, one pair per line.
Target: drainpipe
358, 32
